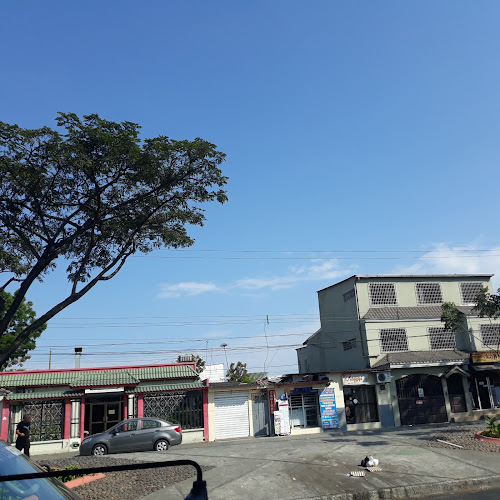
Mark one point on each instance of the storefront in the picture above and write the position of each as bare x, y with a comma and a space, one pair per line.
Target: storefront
66, 405
485, 381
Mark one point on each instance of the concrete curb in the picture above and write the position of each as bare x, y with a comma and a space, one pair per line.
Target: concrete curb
417, 490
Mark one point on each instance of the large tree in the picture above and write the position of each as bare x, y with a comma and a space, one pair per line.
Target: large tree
91, 194
24, 317
238, 372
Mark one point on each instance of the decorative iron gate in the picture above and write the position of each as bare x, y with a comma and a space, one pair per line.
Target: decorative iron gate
456, 393
183, 408
421, 400
47, 419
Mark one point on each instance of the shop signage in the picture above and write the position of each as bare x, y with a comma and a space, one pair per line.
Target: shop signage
421, 392
284, 418
303, 389
272, 399
486, 357
99, 390
419, 402
328, 407
354, 379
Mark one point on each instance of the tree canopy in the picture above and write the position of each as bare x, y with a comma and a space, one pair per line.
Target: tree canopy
91, 194
238, 372
200, 362
25, 316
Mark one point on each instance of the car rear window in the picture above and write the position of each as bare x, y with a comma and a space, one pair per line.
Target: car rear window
150, 424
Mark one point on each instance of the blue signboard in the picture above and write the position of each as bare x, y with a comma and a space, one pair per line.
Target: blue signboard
328, 407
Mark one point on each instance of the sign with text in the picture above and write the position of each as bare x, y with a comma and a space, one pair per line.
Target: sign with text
486, 357
328, 407
284, 418
272, 401
355, 379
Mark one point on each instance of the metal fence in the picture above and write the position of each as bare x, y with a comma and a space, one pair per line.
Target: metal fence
47, 418
183, 408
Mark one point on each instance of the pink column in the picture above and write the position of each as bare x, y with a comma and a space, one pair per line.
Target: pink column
206, 435
67, 418
4, 433
125, 406
140, 405
82, 418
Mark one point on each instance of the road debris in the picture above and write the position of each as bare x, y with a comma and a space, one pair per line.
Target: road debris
451, 444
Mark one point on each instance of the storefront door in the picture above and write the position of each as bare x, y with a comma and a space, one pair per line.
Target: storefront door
421, 400
102, 413
260, 414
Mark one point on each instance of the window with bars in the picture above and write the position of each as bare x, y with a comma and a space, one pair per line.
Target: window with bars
47, 419
349, 344
349, 295
469, 291
183, 408
441, 338
429, 293
360, 404
382, 294
490, 335
304, 409
393, 340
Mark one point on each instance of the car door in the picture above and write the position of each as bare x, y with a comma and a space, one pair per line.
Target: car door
124, 437
148, 433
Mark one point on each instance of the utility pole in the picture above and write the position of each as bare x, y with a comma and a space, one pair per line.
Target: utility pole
50, 359
225, 352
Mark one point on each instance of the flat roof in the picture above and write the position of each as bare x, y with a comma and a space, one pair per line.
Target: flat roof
389, 276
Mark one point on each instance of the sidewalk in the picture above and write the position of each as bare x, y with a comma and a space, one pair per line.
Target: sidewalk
318, 466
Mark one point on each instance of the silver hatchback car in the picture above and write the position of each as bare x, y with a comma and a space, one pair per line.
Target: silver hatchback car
138, 434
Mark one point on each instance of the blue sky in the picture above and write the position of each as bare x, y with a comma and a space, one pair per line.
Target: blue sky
347, 125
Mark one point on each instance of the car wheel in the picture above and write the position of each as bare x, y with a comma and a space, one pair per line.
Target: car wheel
99, 449
161, 445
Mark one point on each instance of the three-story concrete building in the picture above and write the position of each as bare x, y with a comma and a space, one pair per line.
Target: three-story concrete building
412, 370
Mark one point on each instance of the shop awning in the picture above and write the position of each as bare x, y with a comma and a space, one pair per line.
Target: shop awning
55, 394
485, 368
166, 386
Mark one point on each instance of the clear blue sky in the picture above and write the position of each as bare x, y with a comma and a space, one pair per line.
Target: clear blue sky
348, 126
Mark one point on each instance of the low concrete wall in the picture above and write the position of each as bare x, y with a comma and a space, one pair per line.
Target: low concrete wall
471, 416
192, 436
58, 446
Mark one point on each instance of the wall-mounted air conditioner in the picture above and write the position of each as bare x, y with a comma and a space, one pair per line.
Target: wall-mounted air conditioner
383, 377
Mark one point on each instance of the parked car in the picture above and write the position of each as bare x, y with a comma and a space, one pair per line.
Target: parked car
138, 434
12, 462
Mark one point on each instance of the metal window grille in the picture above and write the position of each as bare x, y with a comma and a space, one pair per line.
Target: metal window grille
382, 294
441, 338
304, 409
349, 295
393, 340
349, 344
490, 335
429, 293
469, 291
183, 408
360, 404
47, 419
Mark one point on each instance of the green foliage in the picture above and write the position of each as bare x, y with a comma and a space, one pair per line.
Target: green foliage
92, 193
24, 316
200, 362
238, 373
452, 318
487, 304
493, 429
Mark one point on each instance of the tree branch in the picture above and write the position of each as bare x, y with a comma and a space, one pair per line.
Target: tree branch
2, 288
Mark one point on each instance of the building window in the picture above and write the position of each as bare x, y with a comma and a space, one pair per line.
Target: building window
429, 293
304, 409
183, 408
360, 404
382, 294
349, 295
469, 291
490, 335
440, 338
393, 340
47, 419
349, 344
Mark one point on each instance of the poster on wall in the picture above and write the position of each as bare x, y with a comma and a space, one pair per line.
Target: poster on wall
284, 418
328, 407
277, 423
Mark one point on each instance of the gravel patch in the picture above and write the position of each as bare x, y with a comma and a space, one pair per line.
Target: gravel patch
462, 437
125, 485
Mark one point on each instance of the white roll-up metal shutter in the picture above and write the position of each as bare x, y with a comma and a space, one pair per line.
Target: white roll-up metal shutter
231, 414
